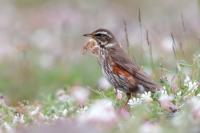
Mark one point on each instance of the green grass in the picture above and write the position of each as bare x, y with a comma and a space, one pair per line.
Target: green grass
29, 79
31, 88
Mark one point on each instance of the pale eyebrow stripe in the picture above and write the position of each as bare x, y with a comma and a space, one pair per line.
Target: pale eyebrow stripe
104, 32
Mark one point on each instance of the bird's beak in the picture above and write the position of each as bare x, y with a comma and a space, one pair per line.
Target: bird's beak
88, 35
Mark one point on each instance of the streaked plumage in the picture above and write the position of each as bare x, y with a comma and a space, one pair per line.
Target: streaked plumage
118, 68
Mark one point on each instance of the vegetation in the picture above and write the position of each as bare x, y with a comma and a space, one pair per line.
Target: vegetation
46, 84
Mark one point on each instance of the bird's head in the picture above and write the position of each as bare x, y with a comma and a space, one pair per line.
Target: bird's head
104, 38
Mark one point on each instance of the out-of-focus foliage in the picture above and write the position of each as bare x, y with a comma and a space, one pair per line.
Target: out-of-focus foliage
44, 78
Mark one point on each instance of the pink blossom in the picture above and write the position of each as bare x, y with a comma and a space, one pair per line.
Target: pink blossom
119, 94
101, 111
166, 102
62, 96
195, 107
123, 112
80, 94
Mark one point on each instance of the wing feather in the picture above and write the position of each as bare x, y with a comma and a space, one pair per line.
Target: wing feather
123, 61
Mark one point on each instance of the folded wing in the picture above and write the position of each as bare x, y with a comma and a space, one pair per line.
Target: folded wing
124, 62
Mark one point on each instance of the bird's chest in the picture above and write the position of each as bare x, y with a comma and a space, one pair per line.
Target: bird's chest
106, 64
109, 71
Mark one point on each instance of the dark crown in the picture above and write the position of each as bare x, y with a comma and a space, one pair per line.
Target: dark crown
103, 32
103, 35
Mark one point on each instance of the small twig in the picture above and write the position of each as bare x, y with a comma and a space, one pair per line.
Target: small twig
184, 29
126, 36
183, 23
175, 54
181, 48
150, 48
147, 38
140, 23
140, 26
174, 46
140, 18
161, 72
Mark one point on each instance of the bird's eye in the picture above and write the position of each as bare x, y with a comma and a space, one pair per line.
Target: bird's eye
99, 35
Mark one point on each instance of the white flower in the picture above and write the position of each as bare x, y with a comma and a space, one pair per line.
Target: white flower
104, 84
35, 111
18, 119
192, 85
64, 112
119, 94
80, 94
134, 101
179, 93
163, 91
83, 109
187, 80
166, 101
62, 96
146, 97
100, 111
165, 98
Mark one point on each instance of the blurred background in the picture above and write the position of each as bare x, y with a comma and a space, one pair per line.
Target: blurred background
41, 40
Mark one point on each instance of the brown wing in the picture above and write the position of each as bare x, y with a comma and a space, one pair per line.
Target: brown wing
122, 60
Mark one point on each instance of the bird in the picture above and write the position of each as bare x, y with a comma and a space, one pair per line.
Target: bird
119, 69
